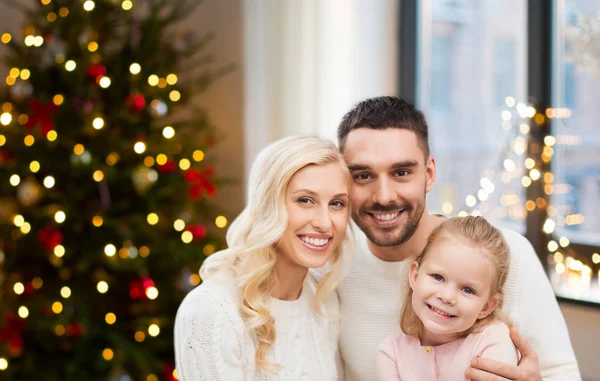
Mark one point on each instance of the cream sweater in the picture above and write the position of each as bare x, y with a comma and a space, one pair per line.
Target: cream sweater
212, 344
370, 309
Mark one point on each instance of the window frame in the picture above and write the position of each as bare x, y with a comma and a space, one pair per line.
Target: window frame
540, 33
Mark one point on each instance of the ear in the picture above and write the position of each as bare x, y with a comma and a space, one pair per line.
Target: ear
412, 274
489, 307
429, 174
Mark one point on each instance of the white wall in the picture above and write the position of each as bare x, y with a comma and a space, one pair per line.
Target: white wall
584, 328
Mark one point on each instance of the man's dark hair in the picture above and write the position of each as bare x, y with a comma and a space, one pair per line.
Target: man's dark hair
385, 112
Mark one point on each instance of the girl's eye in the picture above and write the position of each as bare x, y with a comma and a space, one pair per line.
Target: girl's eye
338, 204
438, 277
469, 290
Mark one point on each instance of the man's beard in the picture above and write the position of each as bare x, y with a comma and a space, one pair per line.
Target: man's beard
395, 235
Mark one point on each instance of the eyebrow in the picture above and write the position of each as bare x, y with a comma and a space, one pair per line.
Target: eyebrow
400, 164
313, 193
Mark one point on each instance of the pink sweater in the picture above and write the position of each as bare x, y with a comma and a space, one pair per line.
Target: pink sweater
401, 357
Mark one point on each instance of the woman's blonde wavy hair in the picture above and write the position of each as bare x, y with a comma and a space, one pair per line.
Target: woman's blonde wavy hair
255, 233
479, 233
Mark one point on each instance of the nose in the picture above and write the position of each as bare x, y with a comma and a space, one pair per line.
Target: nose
384, 194
447, 294
322, 219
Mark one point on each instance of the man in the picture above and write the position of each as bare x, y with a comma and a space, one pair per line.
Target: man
385, 144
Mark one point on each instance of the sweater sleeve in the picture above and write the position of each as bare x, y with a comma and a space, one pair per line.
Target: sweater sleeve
207, 340
387, 366
535, 313
497, 345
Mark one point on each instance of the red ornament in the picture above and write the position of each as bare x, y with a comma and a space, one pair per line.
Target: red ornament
95, 71
12, 332
49, 238
168, 167
41, 113
29, 288
198, 231
200, 182
75, 330
136, 102
138, 287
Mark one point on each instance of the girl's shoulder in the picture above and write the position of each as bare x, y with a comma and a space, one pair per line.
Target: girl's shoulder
494, 332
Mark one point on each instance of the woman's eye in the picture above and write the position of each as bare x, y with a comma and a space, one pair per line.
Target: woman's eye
438, 277
468, 290
304, 200
338, 204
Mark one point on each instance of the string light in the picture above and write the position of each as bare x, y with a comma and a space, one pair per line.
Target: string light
3, 363
25, 74
98, 176
104, 82
209, 249
139, 336
57, 307
15, 180
184, 164
65, 292
23, 312
5, 118
135, 68
89, 5
49, 182
161, 159
139, 147
18, 288
70, 65
51, 17
59, 251
168, 132
144, 251
110, 250
108, 354
37, 283
60, 216
154, 330
110, 318
29, 140
171, 79
153, 80
6, 37
93, 46
221, 221
152, 218
34, 166
2, 140
187, 237
152, 293
63, 12
179, 225
175, 95
102, 287
25, 228
126, 5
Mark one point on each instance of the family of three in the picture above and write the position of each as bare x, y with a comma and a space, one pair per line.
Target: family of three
303, 293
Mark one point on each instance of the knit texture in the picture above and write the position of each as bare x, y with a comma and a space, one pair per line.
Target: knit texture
212, 343
370, 302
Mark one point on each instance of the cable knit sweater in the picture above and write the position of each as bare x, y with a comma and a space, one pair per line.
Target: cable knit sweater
370, 308
212, 344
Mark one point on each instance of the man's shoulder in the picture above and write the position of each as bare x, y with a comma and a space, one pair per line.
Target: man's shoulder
515, 239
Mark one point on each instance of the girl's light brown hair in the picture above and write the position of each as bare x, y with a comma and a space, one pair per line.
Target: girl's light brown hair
480, 234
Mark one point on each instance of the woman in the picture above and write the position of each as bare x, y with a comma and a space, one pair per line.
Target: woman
260, 314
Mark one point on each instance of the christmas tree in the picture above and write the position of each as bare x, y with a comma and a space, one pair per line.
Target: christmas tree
105, 210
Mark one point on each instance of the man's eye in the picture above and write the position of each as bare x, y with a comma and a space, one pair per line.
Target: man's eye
437, 277
362, 176
402, 173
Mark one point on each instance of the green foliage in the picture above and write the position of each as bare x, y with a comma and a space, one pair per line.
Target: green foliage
106, 189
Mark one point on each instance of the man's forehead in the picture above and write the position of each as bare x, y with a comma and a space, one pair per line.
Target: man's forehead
383, 146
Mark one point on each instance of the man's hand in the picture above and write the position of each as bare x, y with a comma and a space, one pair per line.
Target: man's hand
490, 370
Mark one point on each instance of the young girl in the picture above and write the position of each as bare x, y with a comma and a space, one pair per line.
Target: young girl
452, 312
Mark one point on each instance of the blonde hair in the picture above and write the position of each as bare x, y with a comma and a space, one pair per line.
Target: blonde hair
479, 233
254, 234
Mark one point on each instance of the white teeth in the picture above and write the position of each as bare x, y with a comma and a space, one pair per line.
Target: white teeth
386, 217
315, 241
440, 312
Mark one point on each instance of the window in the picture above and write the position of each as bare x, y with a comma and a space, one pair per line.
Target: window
472, 59
575, 196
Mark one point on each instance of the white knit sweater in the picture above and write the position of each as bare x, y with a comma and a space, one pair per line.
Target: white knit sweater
212, 344
370, 309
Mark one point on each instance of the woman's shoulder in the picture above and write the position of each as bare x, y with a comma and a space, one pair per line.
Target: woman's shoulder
213, 298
